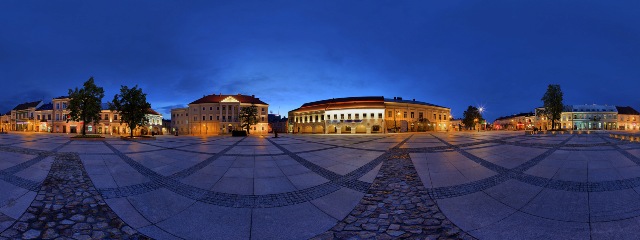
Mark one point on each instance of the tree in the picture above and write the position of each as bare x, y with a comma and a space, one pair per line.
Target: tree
249, 116
553, 105
85, 104
471, 116
132, 105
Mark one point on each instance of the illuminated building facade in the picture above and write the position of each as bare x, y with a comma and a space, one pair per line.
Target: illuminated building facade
23, 116
368, 115
521, 121
628, 118
218, 114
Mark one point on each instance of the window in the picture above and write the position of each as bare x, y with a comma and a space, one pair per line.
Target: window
357, 116
224, 118
64, 105
57, 117
372, 115
434, 116
390, 114
420, 115
38, 117
195, 118
379, 115
412, 115
263, 119
202, 108
322, 117
439, 117
316, 118
223, 108
210, 118
218, 108
335, 116
106, 117
49, 117
341, 116
210, 108
364, 115
405, 114
57, 105
203, 118
218, 118
349, 116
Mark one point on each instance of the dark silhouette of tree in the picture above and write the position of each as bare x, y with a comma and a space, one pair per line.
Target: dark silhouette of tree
471, 116
132, 105
553, 105
85, 104
249, 116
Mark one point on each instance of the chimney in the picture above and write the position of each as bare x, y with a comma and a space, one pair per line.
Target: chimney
399, 98
394, 98
414, 99
253, 96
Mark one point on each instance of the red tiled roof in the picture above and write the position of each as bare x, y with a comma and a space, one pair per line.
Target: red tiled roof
218, 98
153, 112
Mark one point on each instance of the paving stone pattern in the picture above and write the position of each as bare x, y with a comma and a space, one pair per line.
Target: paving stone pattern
396, 206
68, 206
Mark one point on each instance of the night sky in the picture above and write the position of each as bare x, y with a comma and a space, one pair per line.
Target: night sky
496, 54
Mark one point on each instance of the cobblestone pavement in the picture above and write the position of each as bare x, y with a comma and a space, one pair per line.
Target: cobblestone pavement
487, 185
66, 206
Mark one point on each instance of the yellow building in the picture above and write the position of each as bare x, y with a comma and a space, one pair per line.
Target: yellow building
368, 115
218, 114
628, 118
521, 121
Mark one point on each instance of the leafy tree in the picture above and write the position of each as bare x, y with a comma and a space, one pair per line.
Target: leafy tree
471, 116
132, 105
85, 104
553, 105
249, 116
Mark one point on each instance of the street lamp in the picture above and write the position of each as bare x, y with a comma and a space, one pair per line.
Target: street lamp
481, 109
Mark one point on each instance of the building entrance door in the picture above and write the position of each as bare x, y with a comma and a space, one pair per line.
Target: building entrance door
74, 129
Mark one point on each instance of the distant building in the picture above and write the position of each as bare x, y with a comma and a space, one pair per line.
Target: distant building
218, 114
589, 117
456, 124
23, 116
368, 115
520, 121
5, 121
628, 118
43, 118
278, 123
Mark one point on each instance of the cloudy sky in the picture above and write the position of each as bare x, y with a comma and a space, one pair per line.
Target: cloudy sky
496, 54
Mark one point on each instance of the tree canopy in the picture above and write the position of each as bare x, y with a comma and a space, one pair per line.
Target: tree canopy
132, 105
249, 116
553, 105
471, 116
84, 103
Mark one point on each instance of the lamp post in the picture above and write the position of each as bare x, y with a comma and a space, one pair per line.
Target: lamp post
481, 109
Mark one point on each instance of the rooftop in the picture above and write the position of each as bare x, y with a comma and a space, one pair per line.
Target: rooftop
27, 105
627, 110
216, 98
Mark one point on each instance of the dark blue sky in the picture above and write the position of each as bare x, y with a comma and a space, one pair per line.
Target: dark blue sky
499, 54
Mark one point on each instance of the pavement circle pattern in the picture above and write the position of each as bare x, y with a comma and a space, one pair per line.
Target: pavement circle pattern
442, 185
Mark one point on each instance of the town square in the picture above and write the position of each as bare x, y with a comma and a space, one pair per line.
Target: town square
425, 185
321, 120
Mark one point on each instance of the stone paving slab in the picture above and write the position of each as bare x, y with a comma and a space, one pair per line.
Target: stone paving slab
486, 185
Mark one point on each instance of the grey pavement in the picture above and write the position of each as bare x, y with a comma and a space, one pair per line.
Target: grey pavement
486, 185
